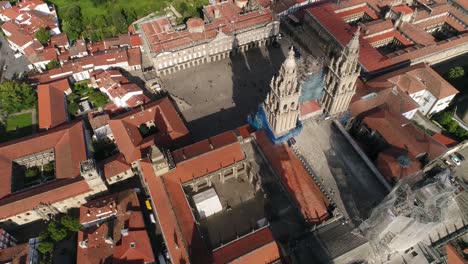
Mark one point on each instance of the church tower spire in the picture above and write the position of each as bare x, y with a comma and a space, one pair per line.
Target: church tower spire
282, 102
340, 80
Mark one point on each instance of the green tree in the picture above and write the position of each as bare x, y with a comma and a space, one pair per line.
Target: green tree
72, 22
53, 64
72, 224
45, 247
43, 36
48, 167
456, 73
31, 172
144, 129
452, 126
97, 98
443, 118
16, 96
56, 231
119, 21
130, 15
461, 132
73, 107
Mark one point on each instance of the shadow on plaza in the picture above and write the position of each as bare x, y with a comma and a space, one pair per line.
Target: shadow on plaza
349, 175
251, 75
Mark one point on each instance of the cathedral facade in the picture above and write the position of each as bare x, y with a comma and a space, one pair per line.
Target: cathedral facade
340, 79
282, 102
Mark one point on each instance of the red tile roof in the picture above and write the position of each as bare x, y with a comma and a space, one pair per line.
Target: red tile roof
49, 193
171, 128
135, 40
97, 209
399, 132
414, 79
313, 204
389, 166
115, 165
162, 37
15, 255
310, 106
59, 40
444, 140
359, 10
453, 257
51, 104
241, 250
165, 214
370, 58
134, 57
67, 142
392, 99
402, 9
174, 214
132, 247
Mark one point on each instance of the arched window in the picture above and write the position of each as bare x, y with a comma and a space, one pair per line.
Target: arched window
285, 107
292, 105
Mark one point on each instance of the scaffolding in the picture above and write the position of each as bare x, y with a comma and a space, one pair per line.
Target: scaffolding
411, 213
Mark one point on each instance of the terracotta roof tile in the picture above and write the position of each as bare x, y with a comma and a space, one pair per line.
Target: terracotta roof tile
115, 165
401, 133
414, 79
132, 247
444, 140
62, 140
313, 204
453, 257
388, 164
385, 96
370, 58
51, 104
53, 192
162, 36
165, 214
240, 251
310, 106
128, 138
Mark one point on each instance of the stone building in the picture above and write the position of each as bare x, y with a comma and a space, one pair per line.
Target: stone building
394, 34
227, 27
340, 80
282, 102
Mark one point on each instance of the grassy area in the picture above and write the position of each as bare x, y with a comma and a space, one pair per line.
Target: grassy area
16, 127
18, 121
141, 7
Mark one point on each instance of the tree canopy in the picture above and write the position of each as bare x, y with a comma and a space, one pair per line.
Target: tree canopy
72, 22
16, 96
456, 73
43, 36
53, 64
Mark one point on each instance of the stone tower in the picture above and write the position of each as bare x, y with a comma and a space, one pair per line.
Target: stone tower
282, 102
340, 80
158, 161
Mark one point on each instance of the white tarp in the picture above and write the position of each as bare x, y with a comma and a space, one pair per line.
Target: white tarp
207, 203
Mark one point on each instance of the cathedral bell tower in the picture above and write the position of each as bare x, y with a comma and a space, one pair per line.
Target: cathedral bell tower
340, 80
282, 102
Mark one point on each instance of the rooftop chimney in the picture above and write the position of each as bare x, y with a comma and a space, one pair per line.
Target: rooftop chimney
216, 13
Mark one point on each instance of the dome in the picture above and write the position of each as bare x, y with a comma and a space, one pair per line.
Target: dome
290, 62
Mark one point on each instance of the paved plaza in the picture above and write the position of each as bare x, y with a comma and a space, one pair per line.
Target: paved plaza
342, 172
218, 96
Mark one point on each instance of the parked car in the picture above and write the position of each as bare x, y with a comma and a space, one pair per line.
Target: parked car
460, 156
455, 160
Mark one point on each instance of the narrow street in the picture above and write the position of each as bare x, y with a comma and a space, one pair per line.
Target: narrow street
7, 58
